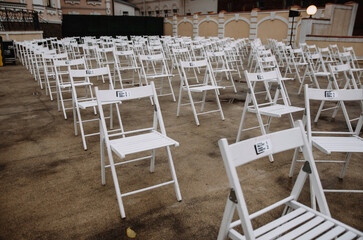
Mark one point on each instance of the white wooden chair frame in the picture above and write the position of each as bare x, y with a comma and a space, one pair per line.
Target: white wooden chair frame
127, 143
89, 101
271, 108
330, 142
49, 72
298, 221
125, 61
208, 84
155, 67
219, 65
349, 83
63, 82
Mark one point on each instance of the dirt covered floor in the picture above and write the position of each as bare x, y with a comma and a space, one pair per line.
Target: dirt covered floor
50, 188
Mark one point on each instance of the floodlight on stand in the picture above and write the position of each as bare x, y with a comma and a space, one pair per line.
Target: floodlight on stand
311, 10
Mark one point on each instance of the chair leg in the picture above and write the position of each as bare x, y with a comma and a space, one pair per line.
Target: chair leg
57, 94
227, 219
179, 101
232, 81
269, 119
193, 108
111, 117
242, 122
203, 101
152, 162
173, 175
61, 101
345, 166
301, 86
81, 129
219, 105
74, 118
171, 89
116, 184
319, 111
102, 153
293, 162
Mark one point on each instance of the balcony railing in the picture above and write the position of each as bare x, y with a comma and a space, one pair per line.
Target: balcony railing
19, 20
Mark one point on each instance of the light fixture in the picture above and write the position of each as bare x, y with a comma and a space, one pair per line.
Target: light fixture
311, 10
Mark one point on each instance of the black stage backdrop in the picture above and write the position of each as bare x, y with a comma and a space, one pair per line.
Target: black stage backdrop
101, 25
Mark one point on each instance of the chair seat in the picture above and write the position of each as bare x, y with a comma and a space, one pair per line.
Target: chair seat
129, 68
87, 104
159, 76
278, 110
286, 79
322, 74
338, 144
223, 70
77, 84
140, 143
304, 223
203, 88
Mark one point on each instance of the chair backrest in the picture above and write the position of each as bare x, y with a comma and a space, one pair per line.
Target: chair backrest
265, 77
105, 97
267, 63
351, 50
347, 73
241, 153
203, 66
87, 73
153, 65
127, 58
154, 57
73, 62
336, 95
316, 63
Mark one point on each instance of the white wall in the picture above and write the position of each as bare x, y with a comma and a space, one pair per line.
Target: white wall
38, 2
204, 6
161, 5
120, 8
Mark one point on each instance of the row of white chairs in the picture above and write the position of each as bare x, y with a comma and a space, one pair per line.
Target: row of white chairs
263, 146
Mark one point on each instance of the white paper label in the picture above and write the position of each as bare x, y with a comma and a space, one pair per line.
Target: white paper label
263, 146
330, 94
123, 94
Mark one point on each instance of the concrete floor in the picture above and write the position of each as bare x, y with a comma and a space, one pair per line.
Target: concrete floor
51, 188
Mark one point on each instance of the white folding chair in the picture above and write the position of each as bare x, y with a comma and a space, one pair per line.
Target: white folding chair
207, 84
316, 68
83, 96
61, 68
347, 80
105, 57
154, 67
123, 143
348, 58
270, 108
355, 59
266, 64
334, 52
234, 58
298, 62
220, 66
298, 221
90, 55
330, 142
49, 72
127, 68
